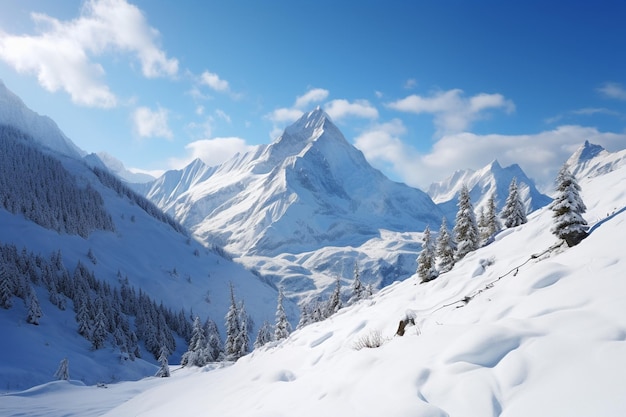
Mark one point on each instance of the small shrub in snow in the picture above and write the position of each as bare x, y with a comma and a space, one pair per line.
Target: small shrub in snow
370, 340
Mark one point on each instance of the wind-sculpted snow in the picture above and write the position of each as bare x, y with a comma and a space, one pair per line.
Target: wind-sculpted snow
540, 332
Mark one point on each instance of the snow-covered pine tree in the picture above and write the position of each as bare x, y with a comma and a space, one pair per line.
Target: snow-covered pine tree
164, 367
426, 269
34, 310
265, 335
445, 248
465, 227
568, 208
233, 327
214, 341
63, 371
491, 224
282, 327
99, 333
334, 302
197, 353
358, 289
514, 212
6, 287
242, 341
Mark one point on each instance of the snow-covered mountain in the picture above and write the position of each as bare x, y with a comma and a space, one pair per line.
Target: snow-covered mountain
481, 183
116, 166
13, 112
522, 327
277, 207
58, 214
592, 160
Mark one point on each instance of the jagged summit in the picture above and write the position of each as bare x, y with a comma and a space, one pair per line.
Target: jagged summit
482, 183
591, 160
585, 152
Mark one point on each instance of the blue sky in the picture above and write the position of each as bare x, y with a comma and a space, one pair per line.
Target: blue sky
421, 87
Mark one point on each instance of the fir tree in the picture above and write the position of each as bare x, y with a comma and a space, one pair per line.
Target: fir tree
63, 372
34, 310
6, 287
567, 209
465, 228
445, 248
282, 327
242, 341
513, 212
265, 335
490, 224
214, 342
197, 353
99, 334
358, 290
164, 367
232, 327
426, 260
334, 302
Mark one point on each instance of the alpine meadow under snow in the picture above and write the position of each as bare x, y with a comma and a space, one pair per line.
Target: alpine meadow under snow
110, 307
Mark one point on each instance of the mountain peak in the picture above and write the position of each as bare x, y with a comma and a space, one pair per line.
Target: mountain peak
309, 122
585, 152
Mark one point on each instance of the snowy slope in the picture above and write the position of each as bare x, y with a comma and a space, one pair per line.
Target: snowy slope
279, 207
103, 159
492, 178
163, 263
541, 332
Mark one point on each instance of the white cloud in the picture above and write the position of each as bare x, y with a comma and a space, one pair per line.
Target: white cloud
214, 82
63, 55
285, 115
410, 84
212, 151
149, 123
338, 109
314, 95
540, 155
452, 111
222, 115
613, 90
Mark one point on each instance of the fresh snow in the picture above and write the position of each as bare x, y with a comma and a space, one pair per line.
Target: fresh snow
522, 327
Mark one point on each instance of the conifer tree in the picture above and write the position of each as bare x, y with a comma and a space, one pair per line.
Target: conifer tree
490, 224
214, 342
282, 327
6, 287
334, 302
34, 310
426, 260
63, 371
232, 327
567, 209
197, 353
265, 335
465, 228
164, 367
242, 341
99, 334
358, 289
445, 248
514, 212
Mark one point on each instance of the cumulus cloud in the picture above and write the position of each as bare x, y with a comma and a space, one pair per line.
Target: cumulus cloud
338, 109
613, 90
151, 123
212, 151
453, 112
214, 82
314, 95
63, 54
540, 155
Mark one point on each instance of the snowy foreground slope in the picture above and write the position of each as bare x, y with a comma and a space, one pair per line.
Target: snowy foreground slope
542, 333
